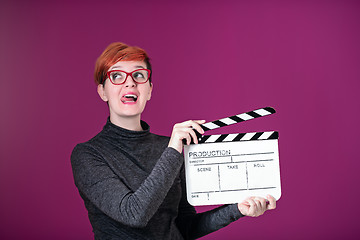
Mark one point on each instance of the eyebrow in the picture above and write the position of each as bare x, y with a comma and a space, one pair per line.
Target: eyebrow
119, 67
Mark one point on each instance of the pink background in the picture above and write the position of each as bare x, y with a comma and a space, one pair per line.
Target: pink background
211, 59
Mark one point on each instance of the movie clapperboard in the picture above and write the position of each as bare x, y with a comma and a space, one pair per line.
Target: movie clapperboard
228, 168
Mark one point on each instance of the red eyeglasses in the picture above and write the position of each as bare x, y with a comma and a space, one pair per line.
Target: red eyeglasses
119, 77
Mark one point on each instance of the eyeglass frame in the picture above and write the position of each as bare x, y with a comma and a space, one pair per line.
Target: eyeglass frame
128, 74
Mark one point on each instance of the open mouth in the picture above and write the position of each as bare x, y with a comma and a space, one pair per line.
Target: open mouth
129, 98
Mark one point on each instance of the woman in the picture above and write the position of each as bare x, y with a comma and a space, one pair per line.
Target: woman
132, 181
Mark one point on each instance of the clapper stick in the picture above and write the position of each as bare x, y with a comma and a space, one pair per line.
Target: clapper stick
234, 119
237, 118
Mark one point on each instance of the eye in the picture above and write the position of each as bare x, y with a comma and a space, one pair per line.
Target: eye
117, 76
138, 75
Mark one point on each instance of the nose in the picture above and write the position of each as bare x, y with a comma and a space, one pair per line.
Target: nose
129, 82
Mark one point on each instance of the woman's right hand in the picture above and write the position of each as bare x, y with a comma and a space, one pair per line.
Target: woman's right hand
185, 131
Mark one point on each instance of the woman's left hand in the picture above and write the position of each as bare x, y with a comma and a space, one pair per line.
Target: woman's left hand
256, 206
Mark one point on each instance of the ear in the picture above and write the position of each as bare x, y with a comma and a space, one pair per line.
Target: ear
101, 92
150, 91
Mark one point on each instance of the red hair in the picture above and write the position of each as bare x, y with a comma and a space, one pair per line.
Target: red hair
114, 53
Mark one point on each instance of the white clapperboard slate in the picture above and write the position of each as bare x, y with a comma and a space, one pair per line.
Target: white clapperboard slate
228, 168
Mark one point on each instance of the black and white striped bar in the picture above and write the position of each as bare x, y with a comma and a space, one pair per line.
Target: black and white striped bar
238, 118
239, 137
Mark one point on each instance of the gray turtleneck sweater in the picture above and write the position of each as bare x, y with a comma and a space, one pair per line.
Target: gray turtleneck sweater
133, 187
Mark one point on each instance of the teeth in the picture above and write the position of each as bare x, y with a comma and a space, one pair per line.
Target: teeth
130, 96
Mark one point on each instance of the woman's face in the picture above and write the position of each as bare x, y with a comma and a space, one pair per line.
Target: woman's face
128, 99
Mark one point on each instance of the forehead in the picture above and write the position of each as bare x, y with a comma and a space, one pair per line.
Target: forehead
128, 65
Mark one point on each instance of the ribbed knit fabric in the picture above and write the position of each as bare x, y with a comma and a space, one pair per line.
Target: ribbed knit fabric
133, 187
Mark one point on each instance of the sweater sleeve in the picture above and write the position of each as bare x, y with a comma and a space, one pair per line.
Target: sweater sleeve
193, 225
102, 187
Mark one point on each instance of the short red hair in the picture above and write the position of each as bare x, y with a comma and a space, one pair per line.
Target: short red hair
114, 53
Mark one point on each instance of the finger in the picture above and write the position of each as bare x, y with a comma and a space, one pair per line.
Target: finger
183, 124
194, 137
195, 125
252, 206
259, 208
257, 203
262, 203
198, 127
272, 202
200, 121
187, 138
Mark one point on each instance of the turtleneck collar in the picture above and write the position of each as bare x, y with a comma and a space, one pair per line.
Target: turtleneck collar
125, 133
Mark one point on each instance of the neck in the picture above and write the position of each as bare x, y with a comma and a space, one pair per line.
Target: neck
130, 123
